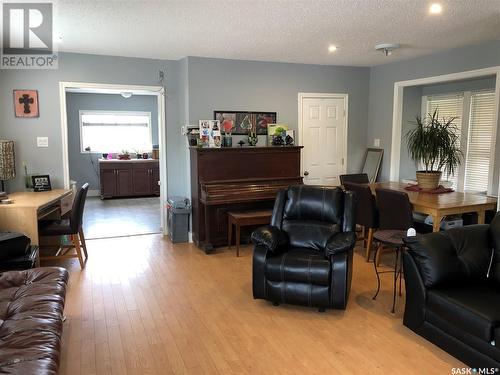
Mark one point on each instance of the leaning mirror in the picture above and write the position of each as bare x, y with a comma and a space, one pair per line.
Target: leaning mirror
371, 166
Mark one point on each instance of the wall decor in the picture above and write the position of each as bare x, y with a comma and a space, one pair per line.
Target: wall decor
210, 134
244, 122
41, 183
276, 131
26, 103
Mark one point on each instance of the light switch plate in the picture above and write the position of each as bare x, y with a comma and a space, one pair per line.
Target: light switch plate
376, 142
42, 141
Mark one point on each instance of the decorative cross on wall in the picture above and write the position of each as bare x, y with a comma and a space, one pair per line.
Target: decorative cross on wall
26, 100
26, 103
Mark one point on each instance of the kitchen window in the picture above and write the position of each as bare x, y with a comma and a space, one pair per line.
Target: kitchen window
115, 131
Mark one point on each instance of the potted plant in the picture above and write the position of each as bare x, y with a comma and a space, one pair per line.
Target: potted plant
125, 155
434, 146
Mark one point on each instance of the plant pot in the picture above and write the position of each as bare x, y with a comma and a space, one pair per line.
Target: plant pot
124, 157
428, 180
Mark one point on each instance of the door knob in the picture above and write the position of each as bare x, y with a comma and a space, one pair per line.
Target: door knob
306, 173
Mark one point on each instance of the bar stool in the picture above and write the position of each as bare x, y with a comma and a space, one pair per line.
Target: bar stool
357, 178
366, 212
395, 218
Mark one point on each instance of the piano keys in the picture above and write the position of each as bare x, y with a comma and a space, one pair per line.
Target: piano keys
236, 179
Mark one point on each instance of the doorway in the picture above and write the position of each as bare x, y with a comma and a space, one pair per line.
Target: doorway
103, 126
323, 133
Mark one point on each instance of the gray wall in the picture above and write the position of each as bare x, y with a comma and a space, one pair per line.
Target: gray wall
460, 86
80, 168
198, 86
382, 80
412, 103
216, 84
81, 68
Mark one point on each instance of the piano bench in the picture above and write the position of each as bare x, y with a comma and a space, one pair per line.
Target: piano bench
242, 219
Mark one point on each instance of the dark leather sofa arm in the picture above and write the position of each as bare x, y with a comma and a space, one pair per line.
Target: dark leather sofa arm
340, 243
270, 237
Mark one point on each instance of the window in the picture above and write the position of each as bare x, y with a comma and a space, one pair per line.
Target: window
474, 123
477, 163
448, 106
115, 131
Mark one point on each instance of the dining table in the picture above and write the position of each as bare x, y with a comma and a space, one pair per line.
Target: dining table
443, 204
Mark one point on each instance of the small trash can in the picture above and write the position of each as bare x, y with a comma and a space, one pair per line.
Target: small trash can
178, 210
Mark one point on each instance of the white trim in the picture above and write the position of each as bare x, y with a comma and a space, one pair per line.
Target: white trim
345, 97
397, 114
95, 112
158, 91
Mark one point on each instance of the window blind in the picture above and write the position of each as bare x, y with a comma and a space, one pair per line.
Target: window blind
477, 161
448, 106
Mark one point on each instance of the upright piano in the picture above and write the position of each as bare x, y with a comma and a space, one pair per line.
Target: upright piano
236, 179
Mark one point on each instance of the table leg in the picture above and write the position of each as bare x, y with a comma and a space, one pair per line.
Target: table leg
369, 243
481, 217
237, 240
229, 232
436, 222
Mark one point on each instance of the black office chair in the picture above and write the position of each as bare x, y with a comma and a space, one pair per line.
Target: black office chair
366, 212
357, 178
395, 218
71, 227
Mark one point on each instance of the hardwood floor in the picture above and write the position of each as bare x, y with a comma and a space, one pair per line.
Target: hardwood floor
110, 218
145, 306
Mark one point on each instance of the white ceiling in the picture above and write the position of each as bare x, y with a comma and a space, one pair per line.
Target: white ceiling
298, 31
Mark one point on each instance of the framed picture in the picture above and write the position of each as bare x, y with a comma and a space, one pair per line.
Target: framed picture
275, 130
41, 183
26, 103
210, 134
242, 123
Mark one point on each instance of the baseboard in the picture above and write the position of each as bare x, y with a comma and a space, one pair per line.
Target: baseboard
93, 193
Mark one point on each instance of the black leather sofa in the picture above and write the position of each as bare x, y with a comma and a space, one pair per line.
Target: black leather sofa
305, 256
453, 291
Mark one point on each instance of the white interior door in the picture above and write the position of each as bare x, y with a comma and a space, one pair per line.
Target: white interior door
324, 129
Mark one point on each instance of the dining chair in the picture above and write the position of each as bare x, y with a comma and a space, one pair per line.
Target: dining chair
366, 213
395, 218
71, 227
358, 178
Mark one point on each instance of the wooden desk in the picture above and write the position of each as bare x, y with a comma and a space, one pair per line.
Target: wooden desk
440, 205
30, 207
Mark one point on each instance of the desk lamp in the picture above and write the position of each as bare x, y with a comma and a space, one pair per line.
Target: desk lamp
7, 162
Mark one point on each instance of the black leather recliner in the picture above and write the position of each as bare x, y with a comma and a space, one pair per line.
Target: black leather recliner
305, 256
453, 291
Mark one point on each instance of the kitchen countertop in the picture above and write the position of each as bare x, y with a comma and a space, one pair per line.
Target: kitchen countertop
129, 160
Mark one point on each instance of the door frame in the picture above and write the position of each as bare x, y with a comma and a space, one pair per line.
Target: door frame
309, 95
109, 88
397, 116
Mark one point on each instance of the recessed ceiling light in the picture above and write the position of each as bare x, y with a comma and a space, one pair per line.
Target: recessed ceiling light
435, 8
332, 48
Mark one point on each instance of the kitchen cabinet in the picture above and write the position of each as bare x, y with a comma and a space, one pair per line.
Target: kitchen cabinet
129, 178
